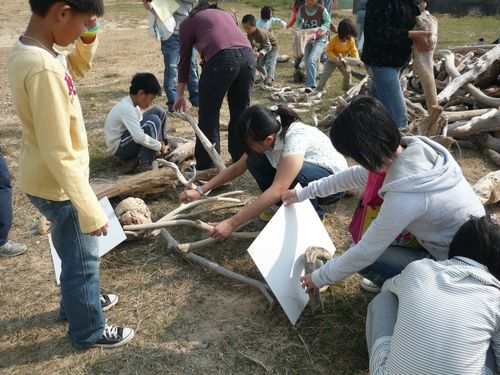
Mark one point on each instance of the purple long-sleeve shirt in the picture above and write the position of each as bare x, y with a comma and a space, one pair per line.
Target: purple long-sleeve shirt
209, 31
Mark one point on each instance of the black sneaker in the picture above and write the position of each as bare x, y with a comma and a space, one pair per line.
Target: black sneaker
108, 301
113, 336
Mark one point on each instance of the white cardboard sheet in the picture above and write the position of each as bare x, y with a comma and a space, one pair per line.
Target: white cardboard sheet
106, 243
164, 8
279, 250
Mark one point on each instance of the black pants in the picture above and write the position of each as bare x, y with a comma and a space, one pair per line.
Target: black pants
230, 71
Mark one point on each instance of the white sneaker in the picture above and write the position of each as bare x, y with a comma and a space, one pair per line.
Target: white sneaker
108, 301
11, 249
113, 336
369, 286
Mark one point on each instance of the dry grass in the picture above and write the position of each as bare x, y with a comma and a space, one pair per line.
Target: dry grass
188, 320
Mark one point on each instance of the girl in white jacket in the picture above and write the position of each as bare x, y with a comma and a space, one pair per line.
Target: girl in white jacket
424, 192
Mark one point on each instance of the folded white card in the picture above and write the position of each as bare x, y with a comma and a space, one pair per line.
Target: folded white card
279, 251
106, 243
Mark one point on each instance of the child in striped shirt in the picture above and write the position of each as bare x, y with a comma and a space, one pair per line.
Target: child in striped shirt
442, 317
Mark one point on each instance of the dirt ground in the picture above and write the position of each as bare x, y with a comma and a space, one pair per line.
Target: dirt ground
187, 320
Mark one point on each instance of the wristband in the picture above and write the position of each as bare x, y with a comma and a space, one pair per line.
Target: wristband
199, 189
93, 31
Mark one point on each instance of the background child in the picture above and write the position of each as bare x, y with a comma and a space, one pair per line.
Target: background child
265, 47
442, 317
279, 154
311, 15
341, 45
129, 133
267, 20
54, 160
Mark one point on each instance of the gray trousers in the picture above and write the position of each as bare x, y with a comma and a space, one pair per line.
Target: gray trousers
328, 69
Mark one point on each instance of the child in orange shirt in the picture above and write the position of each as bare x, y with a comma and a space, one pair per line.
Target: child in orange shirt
343, 44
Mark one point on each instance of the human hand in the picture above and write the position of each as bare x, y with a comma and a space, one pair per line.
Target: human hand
419, 38
147, 4
190, 195
180, 104
164, 149
337, 61
307, 284
101, 231
222, 230
289, 197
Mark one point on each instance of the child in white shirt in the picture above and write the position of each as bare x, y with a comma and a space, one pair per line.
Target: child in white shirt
130, 133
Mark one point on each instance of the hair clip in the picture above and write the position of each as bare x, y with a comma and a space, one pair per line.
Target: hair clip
273, 108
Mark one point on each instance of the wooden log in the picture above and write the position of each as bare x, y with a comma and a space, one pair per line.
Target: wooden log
488, 77
476, 48
487, 122
492, 155
458, 82
423, 66
465, 115
487, 188
143, 185
181, 153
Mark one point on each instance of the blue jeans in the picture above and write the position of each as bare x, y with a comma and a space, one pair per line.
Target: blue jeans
312, 52
153, 124
263, 172
79, 253
170, 49
267, 64
392, 262
386, 88
231, 71
5, 201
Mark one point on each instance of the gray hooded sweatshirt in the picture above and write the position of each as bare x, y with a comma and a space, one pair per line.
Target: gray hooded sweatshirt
424, 193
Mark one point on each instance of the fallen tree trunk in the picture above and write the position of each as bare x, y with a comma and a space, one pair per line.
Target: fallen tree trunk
465, 115
143, 185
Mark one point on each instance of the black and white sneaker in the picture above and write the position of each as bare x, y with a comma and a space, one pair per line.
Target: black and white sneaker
108, 301
113, 336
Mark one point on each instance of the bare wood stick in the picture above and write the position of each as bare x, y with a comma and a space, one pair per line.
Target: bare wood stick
465, 115
218, 198
465, 60
262, 287
209, 147
187, 183
354, 62
202, 212
465, 49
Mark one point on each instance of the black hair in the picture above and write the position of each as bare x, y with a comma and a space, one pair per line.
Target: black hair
346, 29
202, 5
146, 82
479, 239
426, 4
366, 132
265, 12
259, 122
95, 7
249, 19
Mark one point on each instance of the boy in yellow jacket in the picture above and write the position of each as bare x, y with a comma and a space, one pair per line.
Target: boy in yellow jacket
54, 159
342, 45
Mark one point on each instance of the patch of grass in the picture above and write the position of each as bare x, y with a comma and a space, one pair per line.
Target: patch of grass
455, 31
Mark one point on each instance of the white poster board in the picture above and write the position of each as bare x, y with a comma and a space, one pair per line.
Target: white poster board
106, 243
164, 8
279, 250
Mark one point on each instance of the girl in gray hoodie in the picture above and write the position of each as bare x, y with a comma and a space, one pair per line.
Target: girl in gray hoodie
424, 192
